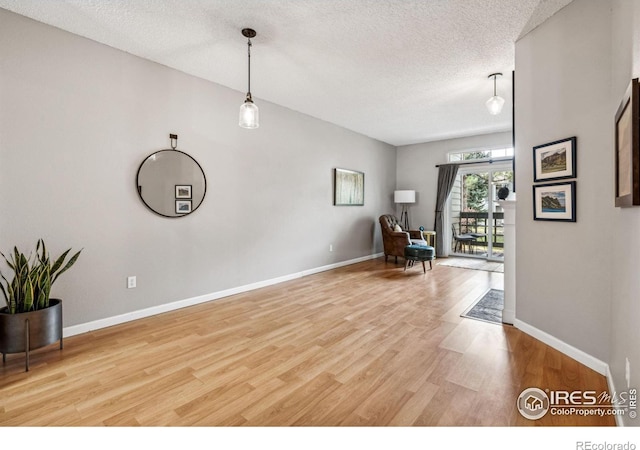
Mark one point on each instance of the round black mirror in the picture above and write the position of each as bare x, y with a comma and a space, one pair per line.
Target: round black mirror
171, 183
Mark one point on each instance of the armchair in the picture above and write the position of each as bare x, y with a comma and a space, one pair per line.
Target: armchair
394, 241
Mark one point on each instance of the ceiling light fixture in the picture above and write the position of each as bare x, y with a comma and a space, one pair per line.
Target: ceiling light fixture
495, 103
248, 110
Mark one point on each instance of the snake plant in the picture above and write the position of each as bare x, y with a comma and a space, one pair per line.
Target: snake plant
33, 277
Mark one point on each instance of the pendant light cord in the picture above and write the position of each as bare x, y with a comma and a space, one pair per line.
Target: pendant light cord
494, 85
249, 69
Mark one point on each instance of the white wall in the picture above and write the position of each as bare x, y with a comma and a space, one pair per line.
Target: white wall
416, 169
625, 222
76, 120
563, 89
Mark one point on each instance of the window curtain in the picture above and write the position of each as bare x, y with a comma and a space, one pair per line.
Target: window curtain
446, 177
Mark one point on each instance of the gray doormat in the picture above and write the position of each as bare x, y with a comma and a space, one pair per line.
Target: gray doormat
488, 307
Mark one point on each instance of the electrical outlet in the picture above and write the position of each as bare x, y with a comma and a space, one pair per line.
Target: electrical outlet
330, 247
131, 282
627, 372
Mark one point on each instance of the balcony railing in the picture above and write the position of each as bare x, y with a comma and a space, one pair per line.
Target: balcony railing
478, 222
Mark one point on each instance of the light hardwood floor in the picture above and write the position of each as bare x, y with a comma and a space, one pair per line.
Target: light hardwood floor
367, 344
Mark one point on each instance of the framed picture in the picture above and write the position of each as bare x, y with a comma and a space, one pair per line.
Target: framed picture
627, 148
348, 187
183, 206
183, 191
555, 160
555, 201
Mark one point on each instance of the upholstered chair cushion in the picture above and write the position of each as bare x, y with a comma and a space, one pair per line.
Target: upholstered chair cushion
419, 252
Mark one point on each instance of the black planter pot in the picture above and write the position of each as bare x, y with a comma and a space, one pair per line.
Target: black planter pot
28, 331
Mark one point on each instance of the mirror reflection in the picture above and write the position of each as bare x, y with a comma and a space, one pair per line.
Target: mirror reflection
171, 183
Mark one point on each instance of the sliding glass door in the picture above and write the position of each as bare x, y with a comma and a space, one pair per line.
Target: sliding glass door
476, 217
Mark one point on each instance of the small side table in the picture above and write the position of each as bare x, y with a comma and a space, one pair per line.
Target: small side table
430, 237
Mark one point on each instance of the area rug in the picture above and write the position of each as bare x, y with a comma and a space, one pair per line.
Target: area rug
473, 263
487, 308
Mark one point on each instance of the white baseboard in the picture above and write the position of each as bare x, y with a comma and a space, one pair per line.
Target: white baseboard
148, 312
572, 352
612, 389
304, 273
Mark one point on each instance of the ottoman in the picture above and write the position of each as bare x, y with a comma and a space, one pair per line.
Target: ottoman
422, 253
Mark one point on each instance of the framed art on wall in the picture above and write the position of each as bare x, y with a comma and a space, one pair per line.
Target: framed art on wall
555, 160
627, 148
183, 206
183, 191
555, 201
348, 187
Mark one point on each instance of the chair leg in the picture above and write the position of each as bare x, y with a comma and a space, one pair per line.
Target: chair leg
406, 263
430, 266
424, 268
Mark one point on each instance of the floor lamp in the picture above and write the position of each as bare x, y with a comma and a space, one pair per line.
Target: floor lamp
404, 198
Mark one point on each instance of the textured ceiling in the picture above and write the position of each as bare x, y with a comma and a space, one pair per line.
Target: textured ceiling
401, 71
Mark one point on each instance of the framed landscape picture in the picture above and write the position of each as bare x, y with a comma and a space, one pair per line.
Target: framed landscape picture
555, 201
348, 187
555, 160
183, 191
627, 148
183, 206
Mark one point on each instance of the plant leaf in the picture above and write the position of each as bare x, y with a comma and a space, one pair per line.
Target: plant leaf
59, 261
44, 287
65, 268
41, 251
9, 263
28, 296
4, 293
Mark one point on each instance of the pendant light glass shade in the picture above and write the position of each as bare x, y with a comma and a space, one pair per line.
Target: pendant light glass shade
495, 103
249, 114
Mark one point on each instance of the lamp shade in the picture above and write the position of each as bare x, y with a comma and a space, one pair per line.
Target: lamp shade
494, 105
249, 115
404, 196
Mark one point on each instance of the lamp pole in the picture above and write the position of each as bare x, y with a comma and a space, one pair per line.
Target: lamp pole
404, 216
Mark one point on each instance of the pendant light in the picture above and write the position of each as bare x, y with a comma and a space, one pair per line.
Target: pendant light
495, 103
248, 110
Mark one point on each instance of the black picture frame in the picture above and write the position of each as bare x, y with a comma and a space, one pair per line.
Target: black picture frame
183, 191
627, 148
555, 202
555, 160
348, 187
183, 206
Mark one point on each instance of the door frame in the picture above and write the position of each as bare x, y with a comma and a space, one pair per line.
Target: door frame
488, 168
